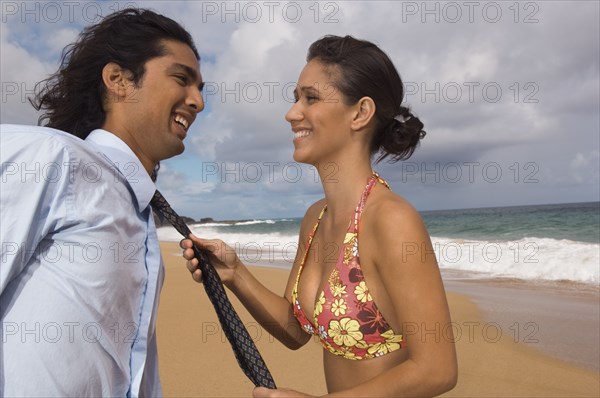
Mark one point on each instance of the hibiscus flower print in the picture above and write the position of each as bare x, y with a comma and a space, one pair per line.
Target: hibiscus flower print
350, 247
323, 332
355, 248
319, 304
334, 278
362, 292
309, 329
338, 307
355, 275
338, 290
345, 332
392, 342
346, 352
372, 321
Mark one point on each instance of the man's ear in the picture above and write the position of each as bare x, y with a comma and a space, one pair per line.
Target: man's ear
117, 81
365, 111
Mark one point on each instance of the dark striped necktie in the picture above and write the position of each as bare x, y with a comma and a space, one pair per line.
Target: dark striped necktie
244, 349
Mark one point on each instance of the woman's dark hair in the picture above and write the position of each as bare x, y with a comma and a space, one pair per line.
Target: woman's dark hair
72, 98
361, 69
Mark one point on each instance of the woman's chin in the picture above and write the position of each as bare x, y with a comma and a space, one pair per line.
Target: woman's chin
300, 158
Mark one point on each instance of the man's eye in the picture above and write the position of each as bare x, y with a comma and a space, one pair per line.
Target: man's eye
182, 79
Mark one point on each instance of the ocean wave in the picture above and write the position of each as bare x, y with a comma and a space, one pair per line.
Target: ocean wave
254, 222
209, 224
529, 258
233, 223
251, 247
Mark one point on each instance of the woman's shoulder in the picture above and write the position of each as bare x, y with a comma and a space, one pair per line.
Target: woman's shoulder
390, 212
313, 211
393, 226
311, 215
306, 226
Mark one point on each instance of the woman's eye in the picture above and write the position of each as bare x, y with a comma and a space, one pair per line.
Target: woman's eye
306, 98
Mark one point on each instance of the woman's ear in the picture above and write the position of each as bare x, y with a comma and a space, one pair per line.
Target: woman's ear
117, 81
365, 111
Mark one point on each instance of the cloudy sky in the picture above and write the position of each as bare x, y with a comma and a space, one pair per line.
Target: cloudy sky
508, 92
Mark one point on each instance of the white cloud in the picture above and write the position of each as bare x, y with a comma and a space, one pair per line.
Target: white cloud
250, 47
585, 167
544, 60
19, 72
207, 132
59, 38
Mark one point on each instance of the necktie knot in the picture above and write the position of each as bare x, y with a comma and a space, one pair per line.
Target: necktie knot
162, 207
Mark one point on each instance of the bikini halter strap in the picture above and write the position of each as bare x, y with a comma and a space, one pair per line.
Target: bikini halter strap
363, 199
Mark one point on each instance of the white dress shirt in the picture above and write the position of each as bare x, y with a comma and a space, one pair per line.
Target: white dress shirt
80, 267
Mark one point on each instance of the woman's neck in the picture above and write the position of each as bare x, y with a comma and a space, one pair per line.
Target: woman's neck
343, 184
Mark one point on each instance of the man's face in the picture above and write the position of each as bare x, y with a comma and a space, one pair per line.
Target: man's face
161, 108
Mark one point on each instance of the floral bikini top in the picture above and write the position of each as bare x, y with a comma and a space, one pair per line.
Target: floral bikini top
345, 317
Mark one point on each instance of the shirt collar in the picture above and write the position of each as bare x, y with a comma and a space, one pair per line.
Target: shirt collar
128, 164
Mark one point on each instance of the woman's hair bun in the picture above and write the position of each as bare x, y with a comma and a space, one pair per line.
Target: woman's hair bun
401, 136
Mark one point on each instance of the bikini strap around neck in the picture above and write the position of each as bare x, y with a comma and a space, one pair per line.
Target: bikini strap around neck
363, 199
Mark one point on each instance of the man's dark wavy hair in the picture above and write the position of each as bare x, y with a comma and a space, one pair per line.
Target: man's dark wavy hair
72, 98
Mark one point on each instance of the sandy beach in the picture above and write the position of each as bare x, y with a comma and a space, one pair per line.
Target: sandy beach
512, 339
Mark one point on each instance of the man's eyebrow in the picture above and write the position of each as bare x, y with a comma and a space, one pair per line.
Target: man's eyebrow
191, 72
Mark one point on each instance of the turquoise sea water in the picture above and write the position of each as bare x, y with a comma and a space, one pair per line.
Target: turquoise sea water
573, 221
538, 242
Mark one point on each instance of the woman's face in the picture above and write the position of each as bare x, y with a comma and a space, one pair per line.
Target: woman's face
320, 119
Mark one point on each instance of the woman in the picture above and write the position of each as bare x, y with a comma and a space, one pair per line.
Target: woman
381, 316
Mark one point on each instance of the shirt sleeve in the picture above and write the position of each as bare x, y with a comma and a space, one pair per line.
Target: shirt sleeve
34, 195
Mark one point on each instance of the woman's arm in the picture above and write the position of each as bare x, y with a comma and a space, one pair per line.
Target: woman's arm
407, 268
272, 311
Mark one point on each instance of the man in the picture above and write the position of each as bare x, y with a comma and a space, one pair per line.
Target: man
80, 270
